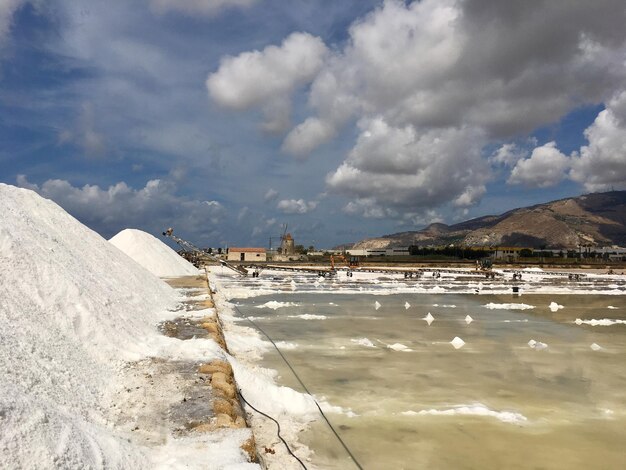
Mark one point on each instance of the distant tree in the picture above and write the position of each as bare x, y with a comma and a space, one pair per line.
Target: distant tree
300, 249
311, 248
526, 253
219, 251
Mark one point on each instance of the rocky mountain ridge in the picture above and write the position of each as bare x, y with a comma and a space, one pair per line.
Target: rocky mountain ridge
597, 219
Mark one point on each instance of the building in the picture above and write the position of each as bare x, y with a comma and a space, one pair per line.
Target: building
287, 246
247, 254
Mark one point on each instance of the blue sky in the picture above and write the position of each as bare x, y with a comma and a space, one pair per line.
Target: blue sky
226, 119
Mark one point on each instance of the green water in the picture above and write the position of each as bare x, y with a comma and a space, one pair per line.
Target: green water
569, 402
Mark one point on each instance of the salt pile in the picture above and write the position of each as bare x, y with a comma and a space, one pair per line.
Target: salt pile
70, 305
152, 254
74, 311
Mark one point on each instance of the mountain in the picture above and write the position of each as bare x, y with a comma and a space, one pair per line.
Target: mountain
597, 219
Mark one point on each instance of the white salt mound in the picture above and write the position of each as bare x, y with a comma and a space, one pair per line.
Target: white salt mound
152, 254
71, 304
554, 306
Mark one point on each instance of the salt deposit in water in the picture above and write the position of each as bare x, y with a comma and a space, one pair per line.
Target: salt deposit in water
596, 347
274, 305
152, 254
309, 316
363, 342
537, 345
472, 410
429, 318
457, 342
511, 306
555, 307
468, 319
601, 322
377, 305
407, 305
399, 347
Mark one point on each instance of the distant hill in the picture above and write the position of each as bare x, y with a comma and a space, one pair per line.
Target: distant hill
597, 219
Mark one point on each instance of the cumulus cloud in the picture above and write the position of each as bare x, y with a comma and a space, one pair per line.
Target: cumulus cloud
601, 164
267, 78
296, 206
451, 75
202, 7
402, 168
508, 155
368, 208
545, 167
153, 208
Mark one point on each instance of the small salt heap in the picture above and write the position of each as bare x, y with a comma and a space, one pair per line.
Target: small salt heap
554, 307
407, 305
429, 318
152, 254
377, 305
457, 342
468, 319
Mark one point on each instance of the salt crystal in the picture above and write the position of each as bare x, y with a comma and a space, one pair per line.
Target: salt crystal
407, 305
468, 319
429, 318
377, 305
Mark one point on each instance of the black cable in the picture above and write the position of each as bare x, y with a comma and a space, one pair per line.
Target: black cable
304, 387
277, 425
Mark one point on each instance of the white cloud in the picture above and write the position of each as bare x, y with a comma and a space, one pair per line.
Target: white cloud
508, 155
402, 168
296, 206
601, 164
202, 7
260, 78
545, 167
270, 195
108, 210
368, 208
7, 9
84, 134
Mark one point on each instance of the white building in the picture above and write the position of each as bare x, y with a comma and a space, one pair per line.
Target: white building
247, 254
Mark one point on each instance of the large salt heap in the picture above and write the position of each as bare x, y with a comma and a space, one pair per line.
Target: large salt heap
152, 254
72, 307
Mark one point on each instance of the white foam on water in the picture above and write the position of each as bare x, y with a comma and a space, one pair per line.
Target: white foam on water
274, 305
309, 316
328, 408
445, 305
363, 342
601, 322
610, 307
407, 305
525, 320
457, 342
429, 318
478, 409
399, 347
511, 306
468, 319
377, 305
555, 307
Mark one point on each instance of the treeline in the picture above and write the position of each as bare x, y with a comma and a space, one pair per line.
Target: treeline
450, 252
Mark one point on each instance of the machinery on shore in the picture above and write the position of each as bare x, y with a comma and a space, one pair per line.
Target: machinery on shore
197, 257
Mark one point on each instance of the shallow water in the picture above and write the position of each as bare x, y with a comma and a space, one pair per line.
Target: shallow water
494, 403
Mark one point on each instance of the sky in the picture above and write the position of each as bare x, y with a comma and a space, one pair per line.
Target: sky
339, 119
